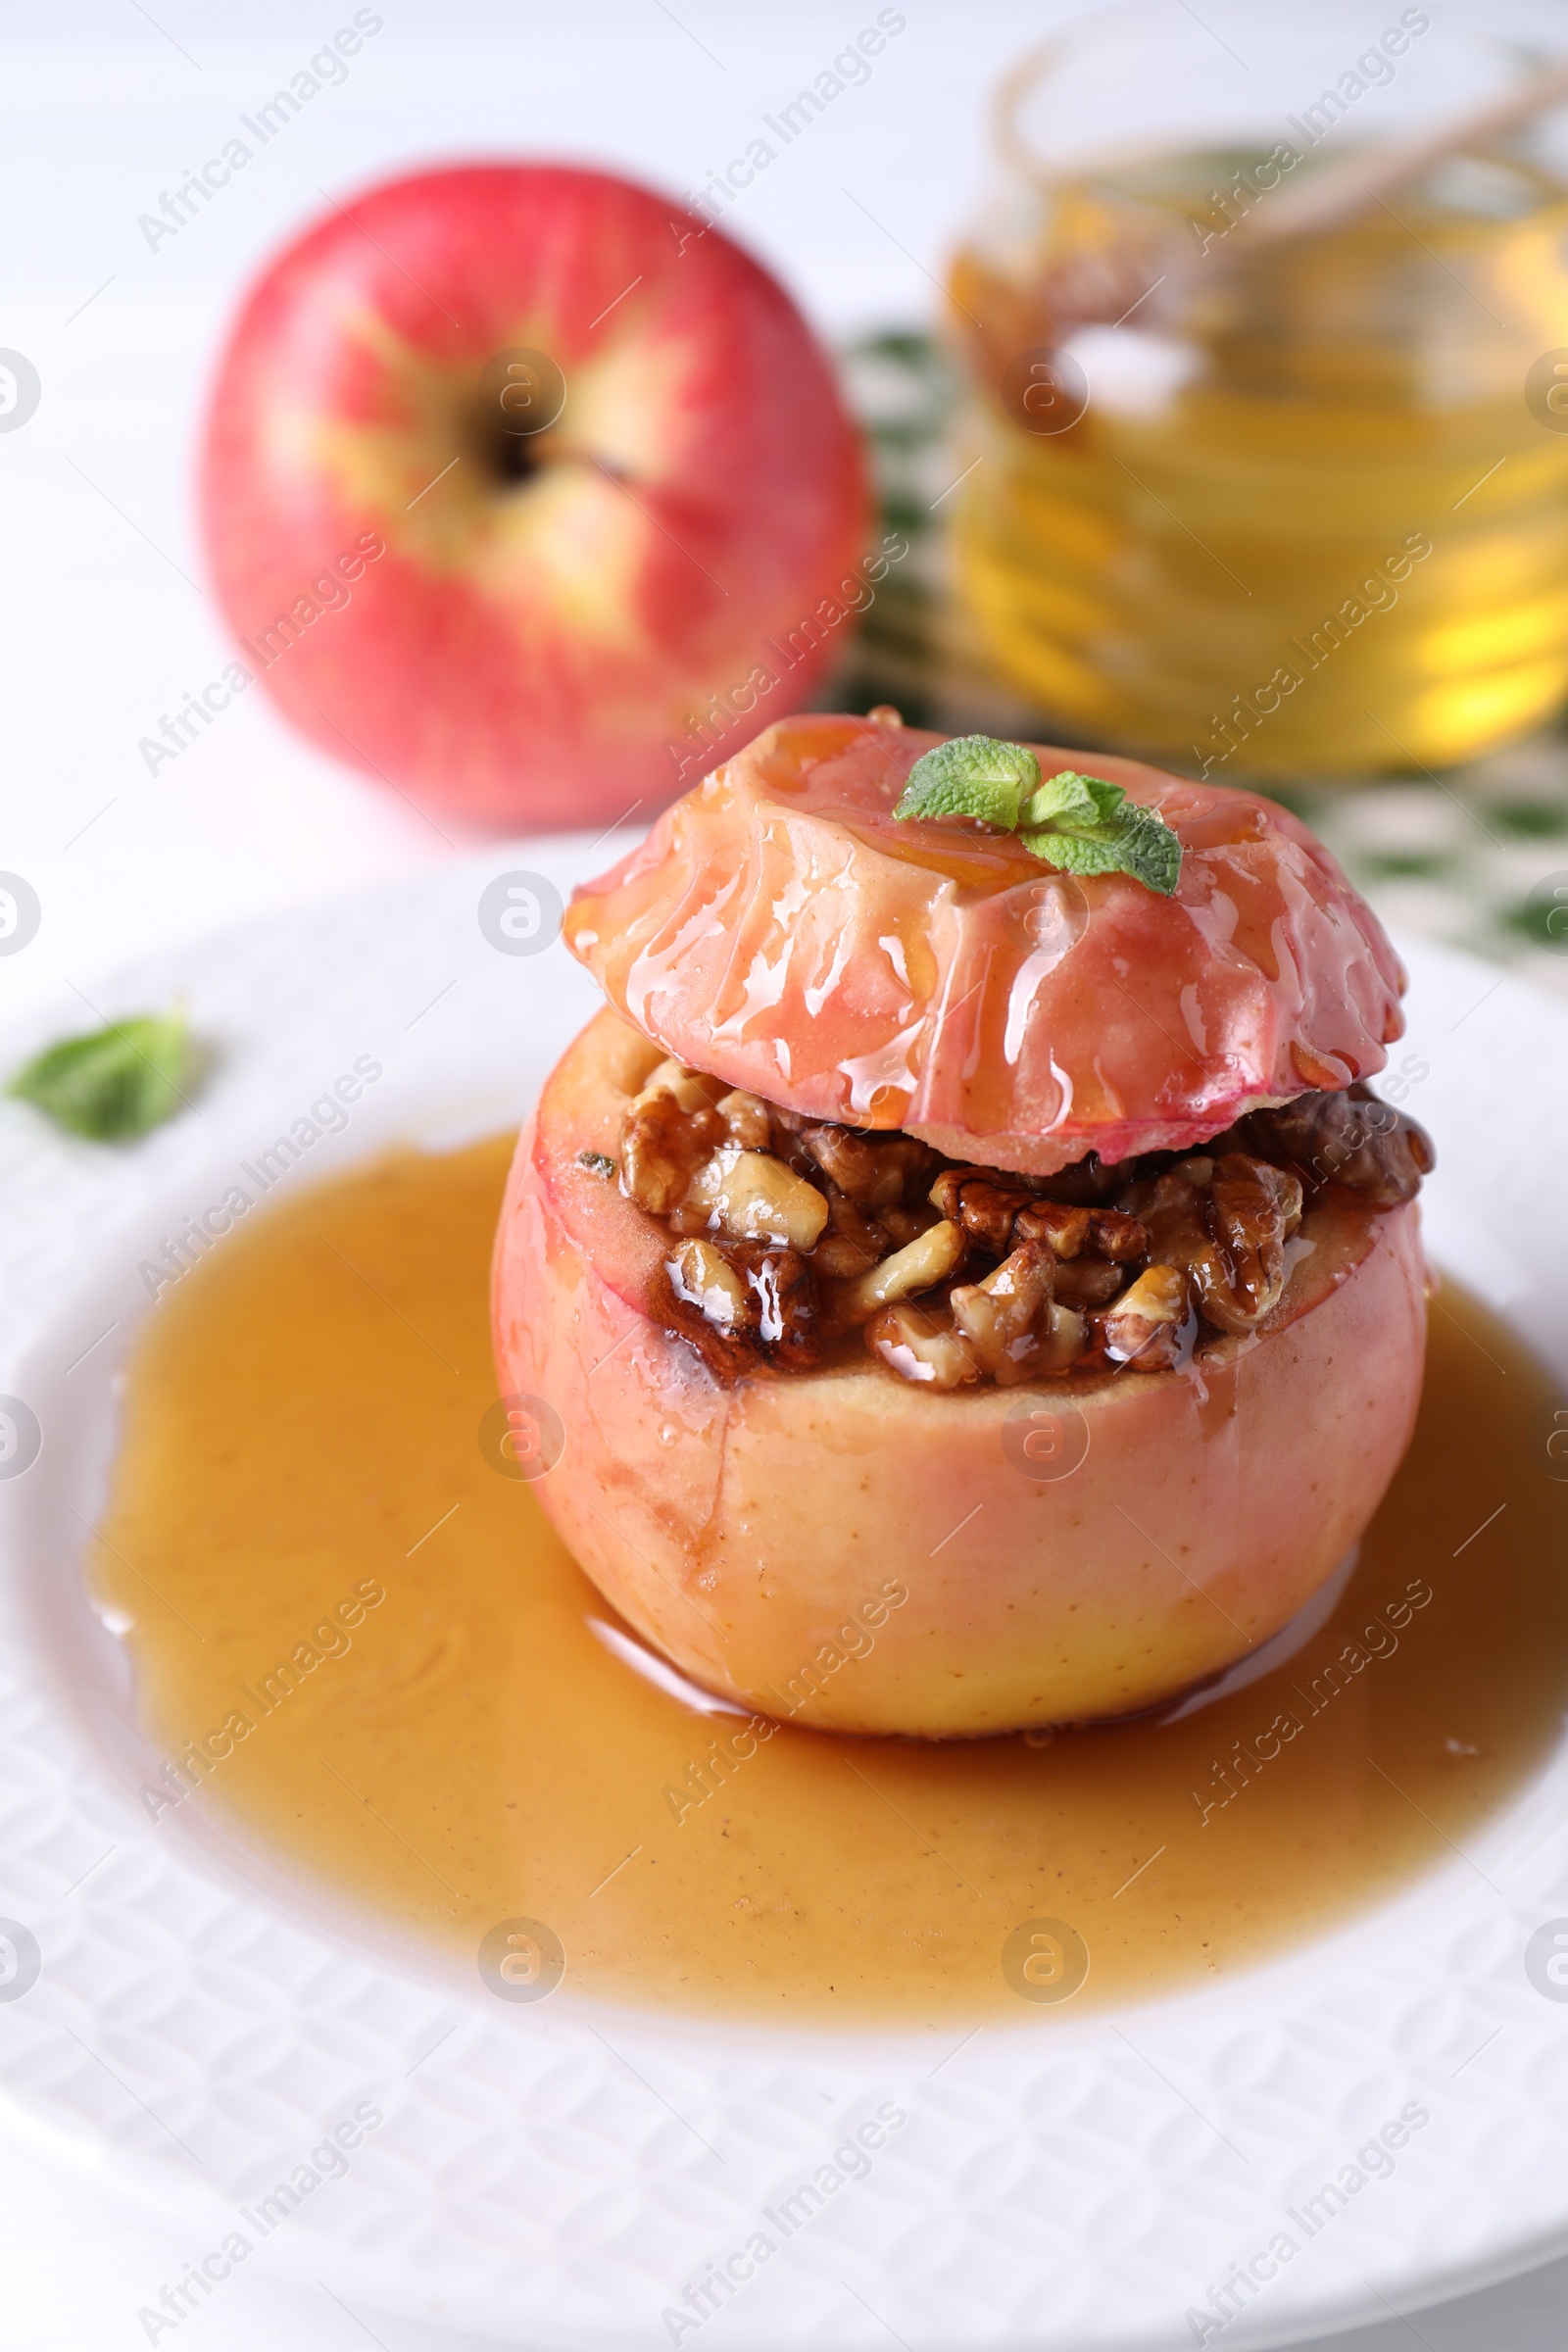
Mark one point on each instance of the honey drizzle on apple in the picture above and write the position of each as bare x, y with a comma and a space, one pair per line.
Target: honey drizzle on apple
300, 1422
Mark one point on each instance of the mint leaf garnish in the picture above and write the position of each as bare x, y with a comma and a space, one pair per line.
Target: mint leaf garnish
115, 1084
1078, 825
1092, 827
1071, 799
972, 775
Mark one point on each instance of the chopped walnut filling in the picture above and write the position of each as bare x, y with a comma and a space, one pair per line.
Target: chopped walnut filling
789, 1234
1350, 1139
1224, 1224
1145, 1325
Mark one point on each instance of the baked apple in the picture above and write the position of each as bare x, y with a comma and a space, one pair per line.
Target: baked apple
976, 1283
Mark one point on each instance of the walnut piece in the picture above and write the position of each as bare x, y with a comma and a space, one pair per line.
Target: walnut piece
984, 1209
688, 1089
857, 1240
927, 1260
1119, 1237
1254, 1209
746, 1120
1145, 1326
783, 1299
703, 1277
1089, 1280
1008, 1320
901, 1225
879, 1172
750, 1196
661, 1149
921, 1348
1348, 1138
1064, 1229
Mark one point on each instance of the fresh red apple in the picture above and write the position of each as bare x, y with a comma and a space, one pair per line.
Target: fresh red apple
531, 492
746, 1528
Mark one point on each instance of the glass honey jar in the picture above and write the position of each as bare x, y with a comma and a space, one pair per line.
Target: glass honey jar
1263, 461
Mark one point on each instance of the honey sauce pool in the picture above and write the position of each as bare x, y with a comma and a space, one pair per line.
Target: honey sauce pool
370, 1658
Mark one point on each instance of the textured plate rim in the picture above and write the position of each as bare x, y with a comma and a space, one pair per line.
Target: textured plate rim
1429, 1967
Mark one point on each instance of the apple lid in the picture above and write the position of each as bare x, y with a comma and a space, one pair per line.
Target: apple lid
781, 929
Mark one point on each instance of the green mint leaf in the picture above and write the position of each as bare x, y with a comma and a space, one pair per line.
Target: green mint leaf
1069, 798
115, 1084
1131, 841
972, 775
1078, 825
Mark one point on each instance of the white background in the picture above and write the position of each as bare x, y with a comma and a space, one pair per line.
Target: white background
107, 623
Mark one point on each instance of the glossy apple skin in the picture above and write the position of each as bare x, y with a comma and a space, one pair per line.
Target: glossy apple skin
738, 1527
527, 651
782, 929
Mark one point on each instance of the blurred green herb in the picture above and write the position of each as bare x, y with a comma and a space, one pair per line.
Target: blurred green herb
1079, 824
1406, 865
1533, 919
115, 1084
1530, 820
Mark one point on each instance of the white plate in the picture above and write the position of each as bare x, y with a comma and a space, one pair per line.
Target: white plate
562, 2173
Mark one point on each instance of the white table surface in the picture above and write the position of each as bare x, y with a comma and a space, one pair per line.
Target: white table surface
108, 623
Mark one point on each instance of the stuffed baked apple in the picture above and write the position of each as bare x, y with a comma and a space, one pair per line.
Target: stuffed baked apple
976, 1283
